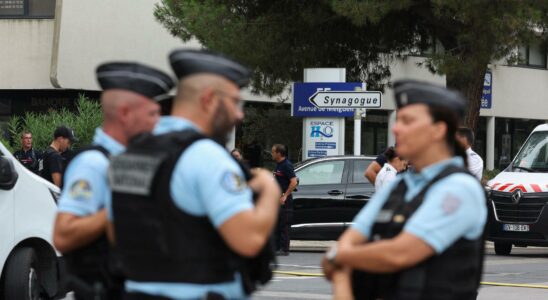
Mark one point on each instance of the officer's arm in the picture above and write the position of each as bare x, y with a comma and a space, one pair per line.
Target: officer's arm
247, 232
371, 172
384, 256
72, 232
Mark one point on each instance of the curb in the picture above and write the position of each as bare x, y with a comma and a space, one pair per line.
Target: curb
322, 246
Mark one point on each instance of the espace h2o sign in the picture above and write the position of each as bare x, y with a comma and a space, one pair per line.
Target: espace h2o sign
322, 137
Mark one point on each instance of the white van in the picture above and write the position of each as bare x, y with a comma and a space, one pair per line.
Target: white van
28, 260
518, 197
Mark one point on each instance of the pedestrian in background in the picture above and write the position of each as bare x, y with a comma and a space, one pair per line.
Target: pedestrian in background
182, 210
465, 136
420, 237
287, 180
54, 162
237, 154
128, 102
374, 168
27, 156
394, 165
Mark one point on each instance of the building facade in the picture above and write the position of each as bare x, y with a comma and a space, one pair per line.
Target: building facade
50, 49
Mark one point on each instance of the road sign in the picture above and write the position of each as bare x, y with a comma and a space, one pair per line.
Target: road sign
486, 100
302, 91
341, 99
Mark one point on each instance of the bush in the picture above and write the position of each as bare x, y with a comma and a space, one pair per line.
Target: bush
42, 125
490, 174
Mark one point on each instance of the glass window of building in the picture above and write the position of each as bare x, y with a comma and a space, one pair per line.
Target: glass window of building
533, 55
27, 9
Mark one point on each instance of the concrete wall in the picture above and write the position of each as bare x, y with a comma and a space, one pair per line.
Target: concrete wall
519, 92
95, 31
63, 53
25, 53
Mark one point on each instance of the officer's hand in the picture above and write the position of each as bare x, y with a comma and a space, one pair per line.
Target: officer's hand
263, 182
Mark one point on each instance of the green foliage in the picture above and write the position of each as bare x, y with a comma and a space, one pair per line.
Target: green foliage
490, 174
278, 39
42, 125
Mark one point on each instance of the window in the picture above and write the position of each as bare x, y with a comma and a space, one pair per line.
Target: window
534, 154
533, 55
328, 172
359, 170
27, 9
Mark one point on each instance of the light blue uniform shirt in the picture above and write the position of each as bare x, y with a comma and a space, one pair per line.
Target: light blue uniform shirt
202, 184
453, 208
86, 189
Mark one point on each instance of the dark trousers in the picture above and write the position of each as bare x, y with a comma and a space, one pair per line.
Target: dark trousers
285, 217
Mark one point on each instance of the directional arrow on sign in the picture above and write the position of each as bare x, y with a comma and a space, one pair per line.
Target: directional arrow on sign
334, 99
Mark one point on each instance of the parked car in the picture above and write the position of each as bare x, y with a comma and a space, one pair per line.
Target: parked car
331, 191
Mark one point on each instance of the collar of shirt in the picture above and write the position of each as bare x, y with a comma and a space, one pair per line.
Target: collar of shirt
105, 140
171, 123
390, 167
469, 151
416, 181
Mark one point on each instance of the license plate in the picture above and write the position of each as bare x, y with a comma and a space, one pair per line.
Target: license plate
515, 227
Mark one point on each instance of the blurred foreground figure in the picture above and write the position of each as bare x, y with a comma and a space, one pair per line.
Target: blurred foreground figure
421, 236
184, 219
130, 92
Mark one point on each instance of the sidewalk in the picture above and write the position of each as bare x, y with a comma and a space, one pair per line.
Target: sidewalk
322, 246
310, 246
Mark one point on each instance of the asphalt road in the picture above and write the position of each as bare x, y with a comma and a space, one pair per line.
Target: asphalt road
524, 266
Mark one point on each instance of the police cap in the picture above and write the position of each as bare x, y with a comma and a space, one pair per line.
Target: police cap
190, 62
409, 92
135, 77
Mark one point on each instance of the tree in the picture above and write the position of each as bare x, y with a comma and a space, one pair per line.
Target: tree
280, 38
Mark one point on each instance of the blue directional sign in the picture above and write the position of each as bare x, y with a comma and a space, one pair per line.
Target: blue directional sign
486, 100
302, 107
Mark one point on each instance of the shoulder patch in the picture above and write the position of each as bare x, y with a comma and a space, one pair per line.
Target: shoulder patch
450, 204
81, 190
233, 182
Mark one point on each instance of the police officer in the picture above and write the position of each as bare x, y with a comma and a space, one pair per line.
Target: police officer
182, 211
419, 237
27, 156
128, 101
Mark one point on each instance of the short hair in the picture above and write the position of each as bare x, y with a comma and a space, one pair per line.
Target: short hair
25, 132
280, 148
467, 133
390, 153
236, 150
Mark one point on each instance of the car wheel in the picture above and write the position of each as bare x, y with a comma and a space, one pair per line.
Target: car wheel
21, 276
503, 248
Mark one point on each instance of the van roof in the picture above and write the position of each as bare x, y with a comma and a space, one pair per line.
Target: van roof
543, 127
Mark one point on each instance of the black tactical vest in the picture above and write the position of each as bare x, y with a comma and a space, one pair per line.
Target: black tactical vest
156, 240
93, 270
453, 274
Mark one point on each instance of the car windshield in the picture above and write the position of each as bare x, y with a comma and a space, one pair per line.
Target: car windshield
533, 156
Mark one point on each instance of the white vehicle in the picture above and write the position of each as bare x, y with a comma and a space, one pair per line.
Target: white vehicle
518, 197
28, 260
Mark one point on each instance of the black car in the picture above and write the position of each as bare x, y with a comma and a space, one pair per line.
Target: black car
331, 191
